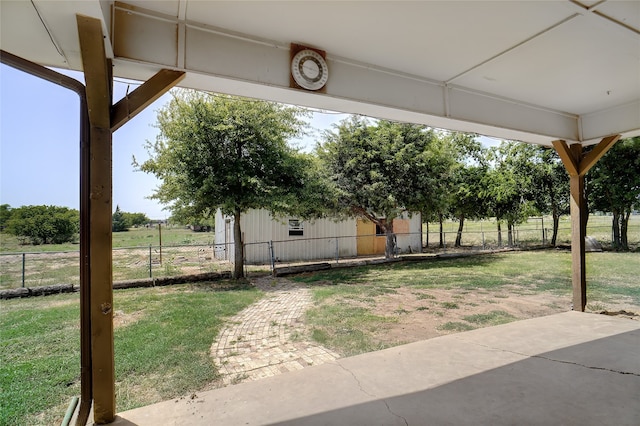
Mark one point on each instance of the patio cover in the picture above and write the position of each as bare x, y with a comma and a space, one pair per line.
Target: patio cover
534, 71
564, 73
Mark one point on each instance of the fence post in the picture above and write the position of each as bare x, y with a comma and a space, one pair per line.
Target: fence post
483, 245
444, 241
150, 263
160, 241
24, 261
271, 256
337, 251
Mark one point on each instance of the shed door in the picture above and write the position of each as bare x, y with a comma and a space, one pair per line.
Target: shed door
367, 243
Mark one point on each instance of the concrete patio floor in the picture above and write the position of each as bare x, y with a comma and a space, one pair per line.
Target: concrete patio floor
566, 369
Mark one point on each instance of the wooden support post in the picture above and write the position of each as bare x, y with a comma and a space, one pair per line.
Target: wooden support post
98, 79
577, 166
104, 119
578, 234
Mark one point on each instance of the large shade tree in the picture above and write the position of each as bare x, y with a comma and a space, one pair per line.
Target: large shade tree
436, 203
466, 198
614, 186
464, 186
550, 184
229, 153
508, 187
379, 170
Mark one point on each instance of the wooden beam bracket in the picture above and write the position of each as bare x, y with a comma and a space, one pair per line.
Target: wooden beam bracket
578, 163
592, 157
567, 157
129, 106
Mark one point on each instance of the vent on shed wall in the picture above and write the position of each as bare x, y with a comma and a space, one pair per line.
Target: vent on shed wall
296, 227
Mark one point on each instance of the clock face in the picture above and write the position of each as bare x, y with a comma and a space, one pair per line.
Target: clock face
309, 70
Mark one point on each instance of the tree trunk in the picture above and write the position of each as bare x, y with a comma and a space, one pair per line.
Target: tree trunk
499, 234
555, 214
556, 224
510, 233
440, 219
624, 225
390, 247
238, 248
460, 227
615, 227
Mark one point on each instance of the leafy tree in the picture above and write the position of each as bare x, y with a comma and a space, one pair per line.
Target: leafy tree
135, 219
538, 177
465, 180
5, 215
614, 186
551, 181
200, 222
435, 205
380, 170
118, 221
466, 198
44, 224
226, 152
507, 187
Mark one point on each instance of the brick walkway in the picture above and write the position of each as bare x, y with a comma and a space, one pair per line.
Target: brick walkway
269, 337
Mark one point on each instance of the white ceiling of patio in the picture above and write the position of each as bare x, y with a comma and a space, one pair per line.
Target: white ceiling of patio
526, 70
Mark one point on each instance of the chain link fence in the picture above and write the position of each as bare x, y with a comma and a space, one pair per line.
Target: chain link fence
129, 263
31, 269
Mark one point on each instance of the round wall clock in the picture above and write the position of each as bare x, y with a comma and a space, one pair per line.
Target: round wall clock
309, 69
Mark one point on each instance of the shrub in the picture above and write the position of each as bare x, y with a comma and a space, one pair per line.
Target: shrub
44, 224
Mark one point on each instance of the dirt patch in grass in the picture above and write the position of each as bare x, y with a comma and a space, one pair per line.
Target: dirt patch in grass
421, 314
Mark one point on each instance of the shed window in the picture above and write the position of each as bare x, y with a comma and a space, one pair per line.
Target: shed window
296, 227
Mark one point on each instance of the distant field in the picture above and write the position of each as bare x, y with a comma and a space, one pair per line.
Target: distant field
135, 237
183, 252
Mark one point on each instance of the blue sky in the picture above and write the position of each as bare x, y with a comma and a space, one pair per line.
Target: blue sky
39, 145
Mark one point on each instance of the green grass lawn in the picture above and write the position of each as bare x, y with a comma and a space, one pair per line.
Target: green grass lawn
163, 335
343, 321
162, 341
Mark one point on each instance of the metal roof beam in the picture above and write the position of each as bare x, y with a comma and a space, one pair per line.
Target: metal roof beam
238, 65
